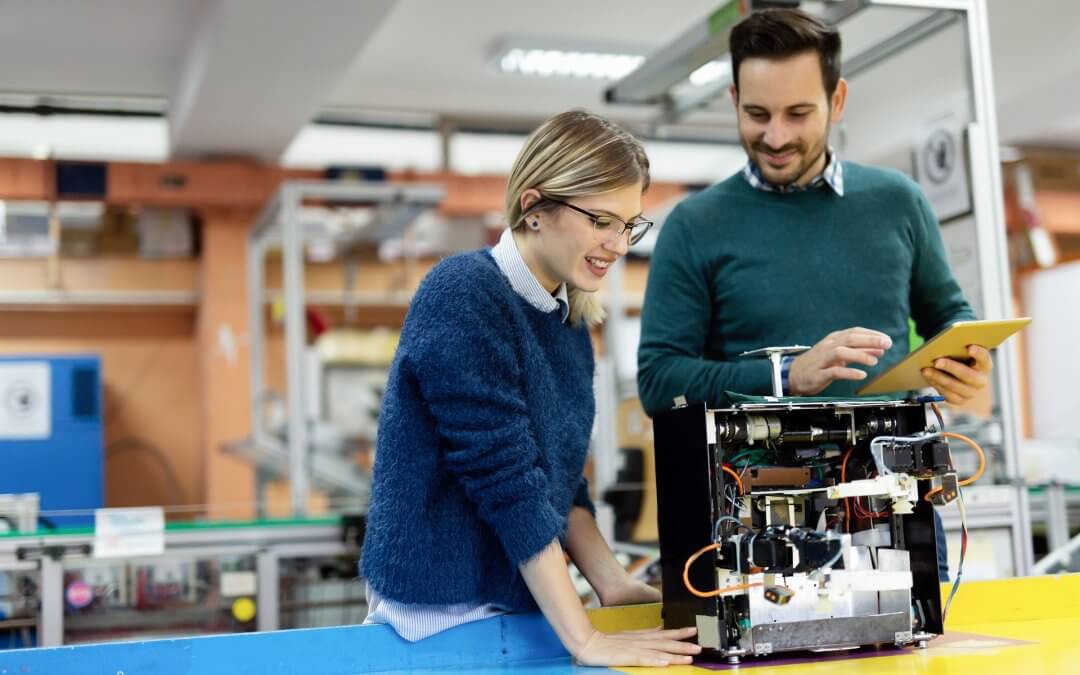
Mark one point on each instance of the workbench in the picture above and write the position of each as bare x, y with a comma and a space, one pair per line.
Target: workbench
1024, 625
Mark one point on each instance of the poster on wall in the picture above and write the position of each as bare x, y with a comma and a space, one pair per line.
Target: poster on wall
25, 406
940, 159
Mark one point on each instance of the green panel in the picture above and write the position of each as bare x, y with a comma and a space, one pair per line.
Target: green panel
914, 339
727, 16
208, 525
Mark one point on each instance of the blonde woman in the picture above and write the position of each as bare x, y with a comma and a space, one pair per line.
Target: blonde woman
486, 420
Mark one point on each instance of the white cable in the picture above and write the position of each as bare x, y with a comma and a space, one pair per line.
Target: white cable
876, 449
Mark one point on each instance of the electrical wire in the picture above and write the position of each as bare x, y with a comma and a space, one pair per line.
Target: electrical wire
843, 479
963, 554
937, 413
731, 497
734, 475
973, 477
832, 561
869, 512
730, 519
709, 594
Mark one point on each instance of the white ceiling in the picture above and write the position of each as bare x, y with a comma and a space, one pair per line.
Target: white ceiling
98, 47
438, 56
273, 65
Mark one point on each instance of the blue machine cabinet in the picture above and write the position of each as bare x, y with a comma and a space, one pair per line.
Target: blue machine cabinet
51, 436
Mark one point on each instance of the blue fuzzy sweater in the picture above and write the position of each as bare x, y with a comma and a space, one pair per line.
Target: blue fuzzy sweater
482, 440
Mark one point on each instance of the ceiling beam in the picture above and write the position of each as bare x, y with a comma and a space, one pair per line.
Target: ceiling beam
257, 71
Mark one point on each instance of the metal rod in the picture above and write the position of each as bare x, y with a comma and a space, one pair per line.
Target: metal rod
267, 218
902, 39
993, 249
698, 97
292, 260
1059, 556
1057, 516
256, 344
775, 359
52, 603
267, 587
955, 5
673, 63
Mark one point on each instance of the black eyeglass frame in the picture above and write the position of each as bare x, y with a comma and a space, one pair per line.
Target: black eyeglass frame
636, 229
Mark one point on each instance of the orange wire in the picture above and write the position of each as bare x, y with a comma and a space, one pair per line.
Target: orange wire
973, 477
843, 479
936, 409
708, 594
735, 475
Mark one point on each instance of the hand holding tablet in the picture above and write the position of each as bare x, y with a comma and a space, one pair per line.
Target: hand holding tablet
956, 361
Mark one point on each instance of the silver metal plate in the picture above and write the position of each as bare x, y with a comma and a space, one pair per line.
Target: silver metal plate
838, 632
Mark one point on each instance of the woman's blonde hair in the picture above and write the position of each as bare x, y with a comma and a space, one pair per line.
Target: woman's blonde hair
575, 154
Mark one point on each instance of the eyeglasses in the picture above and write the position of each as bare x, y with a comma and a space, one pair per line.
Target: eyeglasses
608, 228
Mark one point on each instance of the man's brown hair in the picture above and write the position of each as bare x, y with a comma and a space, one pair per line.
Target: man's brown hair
782, 33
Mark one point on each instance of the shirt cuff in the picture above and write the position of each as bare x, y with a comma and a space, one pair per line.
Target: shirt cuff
785, 371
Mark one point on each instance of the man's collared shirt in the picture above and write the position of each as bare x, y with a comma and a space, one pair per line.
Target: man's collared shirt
832, 176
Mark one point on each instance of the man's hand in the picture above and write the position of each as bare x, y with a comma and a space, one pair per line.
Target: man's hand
957, 382
827, 361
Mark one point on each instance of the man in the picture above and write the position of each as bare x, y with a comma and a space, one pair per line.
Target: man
798, 248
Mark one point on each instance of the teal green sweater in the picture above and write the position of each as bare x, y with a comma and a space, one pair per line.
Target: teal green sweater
736, 268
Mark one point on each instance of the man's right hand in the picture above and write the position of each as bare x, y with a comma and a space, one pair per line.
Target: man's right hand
827, 361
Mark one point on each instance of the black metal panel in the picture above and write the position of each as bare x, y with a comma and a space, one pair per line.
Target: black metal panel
684, 477
920, 539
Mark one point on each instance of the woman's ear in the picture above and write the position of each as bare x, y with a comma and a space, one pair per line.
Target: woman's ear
529, 198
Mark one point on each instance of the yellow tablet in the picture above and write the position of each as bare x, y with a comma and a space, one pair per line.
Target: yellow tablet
950, 343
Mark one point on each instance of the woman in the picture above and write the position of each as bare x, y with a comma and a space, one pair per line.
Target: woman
489, 407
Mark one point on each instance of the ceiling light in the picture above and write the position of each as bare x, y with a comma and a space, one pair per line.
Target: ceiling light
567, 63
710, 72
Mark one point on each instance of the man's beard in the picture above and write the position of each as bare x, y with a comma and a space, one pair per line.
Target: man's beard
810, 157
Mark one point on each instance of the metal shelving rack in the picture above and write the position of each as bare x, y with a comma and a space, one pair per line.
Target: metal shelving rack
279, 227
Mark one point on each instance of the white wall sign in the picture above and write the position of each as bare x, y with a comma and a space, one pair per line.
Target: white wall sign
941, 165
25, 405
133, 532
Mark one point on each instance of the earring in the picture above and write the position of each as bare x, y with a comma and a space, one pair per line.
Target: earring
535, 225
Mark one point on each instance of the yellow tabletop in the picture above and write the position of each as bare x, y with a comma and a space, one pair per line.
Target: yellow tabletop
1025, 625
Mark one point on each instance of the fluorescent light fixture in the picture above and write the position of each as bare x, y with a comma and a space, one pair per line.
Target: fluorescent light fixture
562, 58
711, 72
562, 63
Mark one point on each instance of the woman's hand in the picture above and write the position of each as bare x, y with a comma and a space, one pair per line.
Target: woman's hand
628, 591
651, 647
547, 579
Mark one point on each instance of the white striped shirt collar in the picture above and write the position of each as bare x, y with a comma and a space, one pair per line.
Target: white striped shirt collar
523, 281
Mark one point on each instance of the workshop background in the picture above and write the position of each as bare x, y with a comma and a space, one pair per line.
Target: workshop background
214, 214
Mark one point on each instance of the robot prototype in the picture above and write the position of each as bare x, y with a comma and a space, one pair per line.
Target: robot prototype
802, 526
